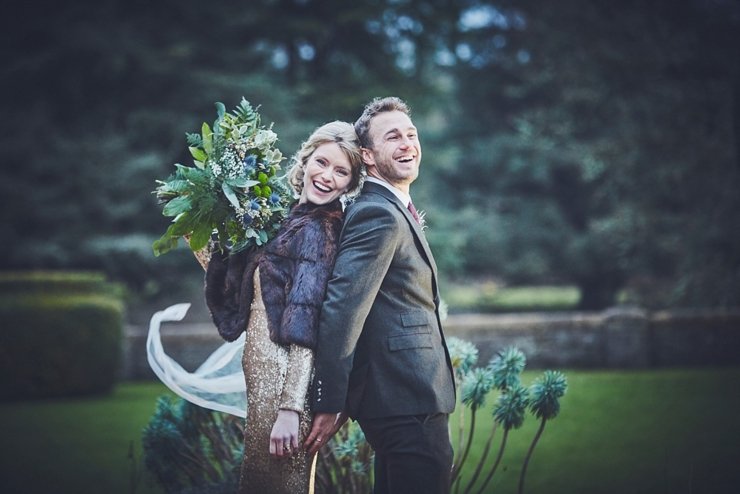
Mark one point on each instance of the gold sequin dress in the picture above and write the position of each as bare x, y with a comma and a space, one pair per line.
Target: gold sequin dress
277, 377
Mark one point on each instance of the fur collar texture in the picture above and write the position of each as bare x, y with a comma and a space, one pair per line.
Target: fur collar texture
294, 268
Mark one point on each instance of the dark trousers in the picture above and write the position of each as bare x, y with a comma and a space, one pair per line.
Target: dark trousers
413, 453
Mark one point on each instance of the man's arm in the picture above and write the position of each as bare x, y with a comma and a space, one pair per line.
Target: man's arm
369, 240
368, 243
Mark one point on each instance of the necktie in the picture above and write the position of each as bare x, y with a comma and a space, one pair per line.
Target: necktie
413, 212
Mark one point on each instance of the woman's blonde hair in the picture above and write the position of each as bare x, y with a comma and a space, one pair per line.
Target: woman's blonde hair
340, 133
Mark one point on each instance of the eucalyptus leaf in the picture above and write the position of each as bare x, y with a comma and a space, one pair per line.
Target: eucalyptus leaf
241, 182
198, 154
164, 244
182, 225
207, 134
200, 237
230, 195
176, 206
220, 109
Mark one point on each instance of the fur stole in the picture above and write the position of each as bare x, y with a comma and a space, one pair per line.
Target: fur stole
294, 268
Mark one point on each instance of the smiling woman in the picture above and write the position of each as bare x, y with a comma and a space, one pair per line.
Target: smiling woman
275, 294
327, 175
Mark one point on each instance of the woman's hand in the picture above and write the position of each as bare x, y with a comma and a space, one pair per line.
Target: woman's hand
284, 436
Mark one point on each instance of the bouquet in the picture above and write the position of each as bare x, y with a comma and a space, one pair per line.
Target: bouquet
232, 191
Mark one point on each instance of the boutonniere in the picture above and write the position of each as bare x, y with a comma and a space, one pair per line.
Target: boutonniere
422, 219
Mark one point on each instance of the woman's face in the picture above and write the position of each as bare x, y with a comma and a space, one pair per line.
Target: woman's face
327, 175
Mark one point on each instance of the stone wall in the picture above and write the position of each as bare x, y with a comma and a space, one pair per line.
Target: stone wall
615, 338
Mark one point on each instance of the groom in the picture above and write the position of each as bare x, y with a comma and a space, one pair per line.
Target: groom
381, 355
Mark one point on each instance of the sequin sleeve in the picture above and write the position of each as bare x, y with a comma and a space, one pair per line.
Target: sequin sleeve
297, 378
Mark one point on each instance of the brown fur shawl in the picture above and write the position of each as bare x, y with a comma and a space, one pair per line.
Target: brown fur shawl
294, 268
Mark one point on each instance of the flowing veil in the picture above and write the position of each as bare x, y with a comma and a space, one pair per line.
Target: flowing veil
218, 384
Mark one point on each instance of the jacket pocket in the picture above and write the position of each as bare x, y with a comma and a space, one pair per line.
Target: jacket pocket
415, 332
414, 318
409, 341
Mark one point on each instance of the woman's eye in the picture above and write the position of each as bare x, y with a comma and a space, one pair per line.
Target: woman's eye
342, 172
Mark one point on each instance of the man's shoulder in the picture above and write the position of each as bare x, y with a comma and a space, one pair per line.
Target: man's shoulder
371, 205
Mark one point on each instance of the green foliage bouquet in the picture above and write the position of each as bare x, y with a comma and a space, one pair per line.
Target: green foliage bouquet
232, 189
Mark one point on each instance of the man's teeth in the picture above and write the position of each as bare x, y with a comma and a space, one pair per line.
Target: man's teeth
322, 188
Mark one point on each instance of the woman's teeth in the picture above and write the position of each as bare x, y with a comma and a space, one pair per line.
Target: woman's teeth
322, 188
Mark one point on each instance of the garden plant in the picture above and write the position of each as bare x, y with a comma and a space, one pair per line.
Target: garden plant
190, 449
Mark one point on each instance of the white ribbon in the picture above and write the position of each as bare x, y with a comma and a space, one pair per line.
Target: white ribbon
218, 384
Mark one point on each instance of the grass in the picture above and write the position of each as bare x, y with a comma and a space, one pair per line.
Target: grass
664, 432
76, 445
490, 297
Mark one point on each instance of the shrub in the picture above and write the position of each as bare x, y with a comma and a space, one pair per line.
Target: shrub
190, 449
61, 334
185, 462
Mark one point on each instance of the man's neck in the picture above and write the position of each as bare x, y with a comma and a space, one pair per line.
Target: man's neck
402, 195
402, 187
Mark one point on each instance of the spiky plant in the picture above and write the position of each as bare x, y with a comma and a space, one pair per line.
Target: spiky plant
191, 449
476, 384
544, 403
507, 367
509, 414
463, 355
344, 465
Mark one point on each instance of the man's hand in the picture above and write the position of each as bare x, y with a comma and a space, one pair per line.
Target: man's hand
324, 426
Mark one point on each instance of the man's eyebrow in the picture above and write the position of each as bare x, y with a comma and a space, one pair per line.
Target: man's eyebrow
398, 131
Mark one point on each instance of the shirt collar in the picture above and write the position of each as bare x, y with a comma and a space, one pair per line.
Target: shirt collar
402, 196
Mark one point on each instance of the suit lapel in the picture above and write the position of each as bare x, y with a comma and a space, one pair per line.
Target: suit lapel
370, 187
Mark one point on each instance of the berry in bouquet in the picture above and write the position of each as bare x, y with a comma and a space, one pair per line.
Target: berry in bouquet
232, 192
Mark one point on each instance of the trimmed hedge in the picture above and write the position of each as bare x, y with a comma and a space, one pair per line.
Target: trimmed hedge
60, 334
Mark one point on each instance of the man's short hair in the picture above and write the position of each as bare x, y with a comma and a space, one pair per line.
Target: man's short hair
377, 105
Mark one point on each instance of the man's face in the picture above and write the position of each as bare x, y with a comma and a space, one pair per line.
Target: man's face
396, 151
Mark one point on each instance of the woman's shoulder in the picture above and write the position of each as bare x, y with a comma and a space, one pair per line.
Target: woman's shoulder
308, 232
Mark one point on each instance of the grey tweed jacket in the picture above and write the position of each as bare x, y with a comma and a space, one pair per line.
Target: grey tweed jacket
381, 351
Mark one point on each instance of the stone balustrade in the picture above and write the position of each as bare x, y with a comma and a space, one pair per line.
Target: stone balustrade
621, 337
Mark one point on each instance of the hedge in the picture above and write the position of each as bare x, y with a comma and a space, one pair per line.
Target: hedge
60, 334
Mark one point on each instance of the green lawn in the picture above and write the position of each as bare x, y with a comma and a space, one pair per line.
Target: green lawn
668, 431
660, 432
76, 445
490, 297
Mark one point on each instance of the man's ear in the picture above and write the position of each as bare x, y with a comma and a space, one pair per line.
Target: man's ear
367, 157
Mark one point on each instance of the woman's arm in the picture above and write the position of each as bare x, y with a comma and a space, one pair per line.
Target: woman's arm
285, 431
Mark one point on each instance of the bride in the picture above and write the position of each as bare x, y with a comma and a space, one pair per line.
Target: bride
268, 303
